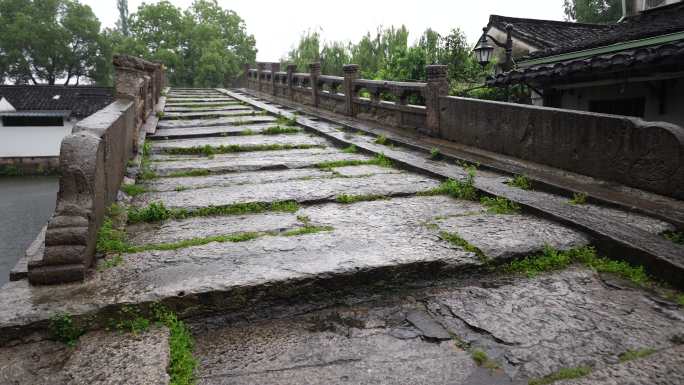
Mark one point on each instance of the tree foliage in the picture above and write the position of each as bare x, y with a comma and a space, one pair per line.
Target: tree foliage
593, 11
47, 40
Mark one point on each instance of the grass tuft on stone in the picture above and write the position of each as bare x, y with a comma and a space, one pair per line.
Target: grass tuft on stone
157, 212
578, 198
674, 236
482, 359
460, 189
457, 240
133, 189
308, 229
349, 199
563, 374
521, 182
193, 172
435, 154
382, 140
279, 130
208, 150
379, 160
63, 328
352, 149
181, 344
109, 239
631, 355
551, 260
285, 121
500, 205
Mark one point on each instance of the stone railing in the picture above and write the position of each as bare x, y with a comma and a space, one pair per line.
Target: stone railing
410, 105
92, 163
630, 151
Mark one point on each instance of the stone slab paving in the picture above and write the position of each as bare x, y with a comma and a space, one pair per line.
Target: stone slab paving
251, 161
241, 120
242, 178
230, 107
245, 140
302, 191
529, 328
207, 114
192, 132
99, 358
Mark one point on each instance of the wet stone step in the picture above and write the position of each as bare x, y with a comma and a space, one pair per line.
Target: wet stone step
245, 141
261, 177
236, 120
99, 358
165, 165
303, 191
207, 114
228, 107
527, 327
190, 132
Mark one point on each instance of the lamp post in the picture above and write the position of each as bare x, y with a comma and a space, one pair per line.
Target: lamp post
484, 50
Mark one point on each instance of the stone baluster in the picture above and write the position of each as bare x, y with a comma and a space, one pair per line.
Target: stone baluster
315, 70
351, 73
291, 68
275, 67
260, 73
437, 87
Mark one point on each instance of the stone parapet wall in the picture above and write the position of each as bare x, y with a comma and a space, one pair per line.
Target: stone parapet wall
629, 151
92, 164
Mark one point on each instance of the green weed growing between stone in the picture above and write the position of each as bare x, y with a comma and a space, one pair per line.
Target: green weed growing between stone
674, 236
435, 154
460, 189
279, 130
193, 172
382, 140
482, 359
500, 205
285, 121
349, 199
563, 374
208, 150
109, 239
133, 189
181, 344
578, 198
146, 172
635, 354
157, 212
379, 160
63, 328
457, 240
521, 182
352, 149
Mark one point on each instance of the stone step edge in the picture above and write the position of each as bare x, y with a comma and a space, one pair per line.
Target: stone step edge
664, 259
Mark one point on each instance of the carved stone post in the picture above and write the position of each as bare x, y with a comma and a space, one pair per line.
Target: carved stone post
260, 72
351, 73
245, 76
275, 67
315, 70
437, 87
291, 68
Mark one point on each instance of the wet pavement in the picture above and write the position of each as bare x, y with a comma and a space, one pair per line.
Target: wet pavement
337, 290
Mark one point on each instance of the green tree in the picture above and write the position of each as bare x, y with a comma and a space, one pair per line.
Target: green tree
48, 40
593, 11
122, 24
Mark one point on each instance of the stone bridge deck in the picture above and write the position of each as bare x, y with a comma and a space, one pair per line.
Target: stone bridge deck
299, 259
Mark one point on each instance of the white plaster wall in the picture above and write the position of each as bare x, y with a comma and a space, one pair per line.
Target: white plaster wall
33, 141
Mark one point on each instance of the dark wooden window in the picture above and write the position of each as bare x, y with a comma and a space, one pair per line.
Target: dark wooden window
23, 121
627, 107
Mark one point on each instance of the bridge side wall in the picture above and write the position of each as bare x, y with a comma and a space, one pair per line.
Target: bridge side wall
629, 151
92, 164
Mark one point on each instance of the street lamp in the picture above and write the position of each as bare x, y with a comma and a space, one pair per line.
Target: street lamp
483, 50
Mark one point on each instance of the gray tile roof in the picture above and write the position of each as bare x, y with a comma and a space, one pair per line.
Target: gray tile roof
80, 100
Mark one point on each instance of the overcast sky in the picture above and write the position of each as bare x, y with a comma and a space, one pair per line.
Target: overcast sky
277, 25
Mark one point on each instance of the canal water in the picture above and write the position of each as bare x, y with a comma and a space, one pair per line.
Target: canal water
26, 203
